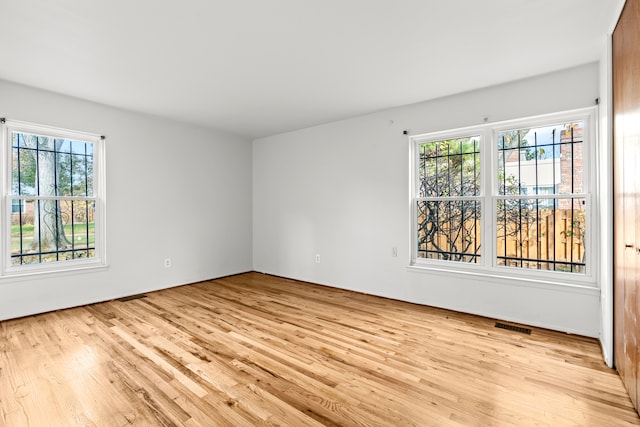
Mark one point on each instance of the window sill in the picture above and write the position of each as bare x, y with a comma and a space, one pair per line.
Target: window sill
586, 285
49, 273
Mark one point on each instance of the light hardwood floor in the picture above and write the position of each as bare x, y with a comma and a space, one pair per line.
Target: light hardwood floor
253, 350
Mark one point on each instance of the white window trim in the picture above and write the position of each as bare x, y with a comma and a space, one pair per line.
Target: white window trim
100, 260
488, 267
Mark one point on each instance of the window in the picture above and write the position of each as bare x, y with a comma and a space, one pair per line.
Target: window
544, 233
511, 196
448, 203
54, 198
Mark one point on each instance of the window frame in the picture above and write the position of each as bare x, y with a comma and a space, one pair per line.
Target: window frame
415, 198
7, 270
489, 194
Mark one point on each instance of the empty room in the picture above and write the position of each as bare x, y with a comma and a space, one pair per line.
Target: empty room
319, 213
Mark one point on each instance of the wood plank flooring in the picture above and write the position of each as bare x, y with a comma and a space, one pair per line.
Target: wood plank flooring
257, 350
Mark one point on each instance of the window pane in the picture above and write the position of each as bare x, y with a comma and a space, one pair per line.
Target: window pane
541, 160
45, 143
48, 166
80, 229
50, 230
23, 171
63, 165
87, 174
542, 234
82, 171
449, 230
449, 168
24, 234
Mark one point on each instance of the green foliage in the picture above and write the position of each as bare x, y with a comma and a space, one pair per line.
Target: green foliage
450, 168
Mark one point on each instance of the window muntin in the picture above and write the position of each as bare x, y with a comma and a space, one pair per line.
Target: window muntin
54, 190
532, 199
448, 205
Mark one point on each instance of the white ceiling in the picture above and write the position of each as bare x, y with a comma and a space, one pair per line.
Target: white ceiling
262, 67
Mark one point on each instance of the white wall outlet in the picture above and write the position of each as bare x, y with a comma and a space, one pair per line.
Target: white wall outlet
318, 258
394, 252
167, 263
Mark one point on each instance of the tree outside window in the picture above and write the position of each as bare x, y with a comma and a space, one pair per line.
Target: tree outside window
535, 197
54, 196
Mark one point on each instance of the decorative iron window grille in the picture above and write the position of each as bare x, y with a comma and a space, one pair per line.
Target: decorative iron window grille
52, 184
545, 232
525, 206
448, 204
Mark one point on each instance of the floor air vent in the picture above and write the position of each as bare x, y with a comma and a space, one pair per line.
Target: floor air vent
513, 328
132, 297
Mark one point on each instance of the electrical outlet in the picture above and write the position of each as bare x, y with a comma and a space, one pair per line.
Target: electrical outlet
167, 263
318, 258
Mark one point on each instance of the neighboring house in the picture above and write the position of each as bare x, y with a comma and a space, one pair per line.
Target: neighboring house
22, 207
554, 170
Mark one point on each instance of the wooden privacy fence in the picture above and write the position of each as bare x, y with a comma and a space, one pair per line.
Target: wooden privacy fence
549, 239
553, 241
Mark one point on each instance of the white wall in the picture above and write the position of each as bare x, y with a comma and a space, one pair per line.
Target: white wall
605, 154
341, 190
173, 190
